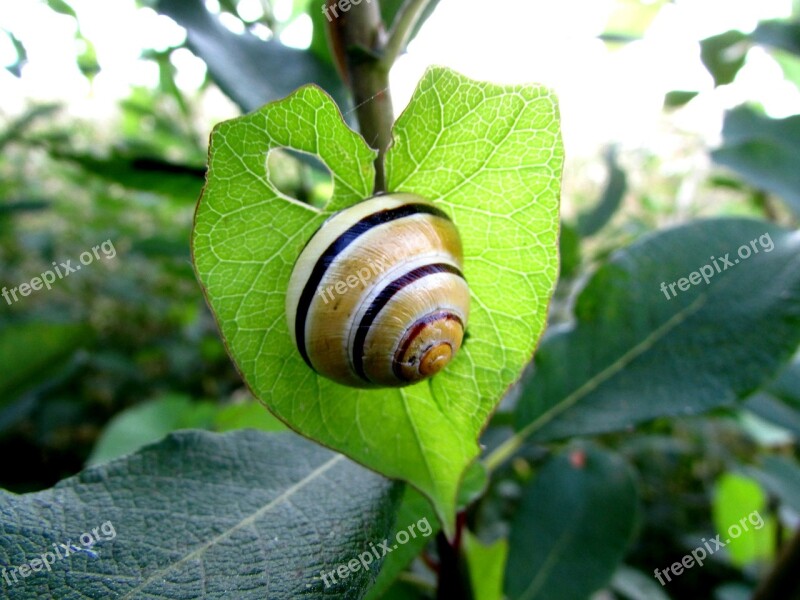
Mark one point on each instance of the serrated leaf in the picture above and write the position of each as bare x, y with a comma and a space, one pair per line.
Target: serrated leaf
247, 238
572, 527
242, 515
702, 348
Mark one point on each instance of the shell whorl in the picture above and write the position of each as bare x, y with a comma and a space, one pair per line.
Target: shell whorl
377, 297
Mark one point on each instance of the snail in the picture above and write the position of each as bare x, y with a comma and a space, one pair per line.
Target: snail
377, 297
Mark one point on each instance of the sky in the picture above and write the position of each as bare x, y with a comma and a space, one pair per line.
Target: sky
606, 94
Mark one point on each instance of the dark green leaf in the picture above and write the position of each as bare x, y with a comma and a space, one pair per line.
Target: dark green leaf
723, 55
251, 71
780, 401
780, 476
183, 182
240, 515
572, 527
778, 34
764, 151
636, 352
595, 219
29, 350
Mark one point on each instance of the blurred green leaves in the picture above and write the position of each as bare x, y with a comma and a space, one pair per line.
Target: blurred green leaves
574, 524
248, 69
763, 151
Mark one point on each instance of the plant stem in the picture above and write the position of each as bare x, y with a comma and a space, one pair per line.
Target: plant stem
782, 582
454, 582
404, 23
358, 39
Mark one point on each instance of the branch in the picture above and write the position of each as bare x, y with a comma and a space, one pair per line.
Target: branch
782, 582
407, 18
357, 38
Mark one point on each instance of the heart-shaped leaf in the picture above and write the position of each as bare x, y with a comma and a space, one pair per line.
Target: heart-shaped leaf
243, 515
491, 157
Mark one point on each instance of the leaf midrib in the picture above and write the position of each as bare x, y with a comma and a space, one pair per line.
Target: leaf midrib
290, 491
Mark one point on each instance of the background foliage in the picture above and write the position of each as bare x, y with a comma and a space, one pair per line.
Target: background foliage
678, 416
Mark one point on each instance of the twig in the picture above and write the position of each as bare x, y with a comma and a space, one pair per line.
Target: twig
407, 18
782, 583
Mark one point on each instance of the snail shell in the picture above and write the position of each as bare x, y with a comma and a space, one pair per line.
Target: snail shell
377, 297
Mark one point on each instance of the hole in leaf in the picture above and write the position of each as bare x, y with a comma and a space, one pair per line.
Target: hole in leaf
300, 176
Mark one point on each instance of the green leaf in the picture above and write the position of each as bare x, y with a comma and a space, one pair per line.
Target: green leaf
29, 350
677, 98
486, 566
249, 70
241, 515
763, 151
569, 244
598, 216
673, 355
723, 55
572, 527
61, 7
246, 415
740, 517
147, 423
247, 237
